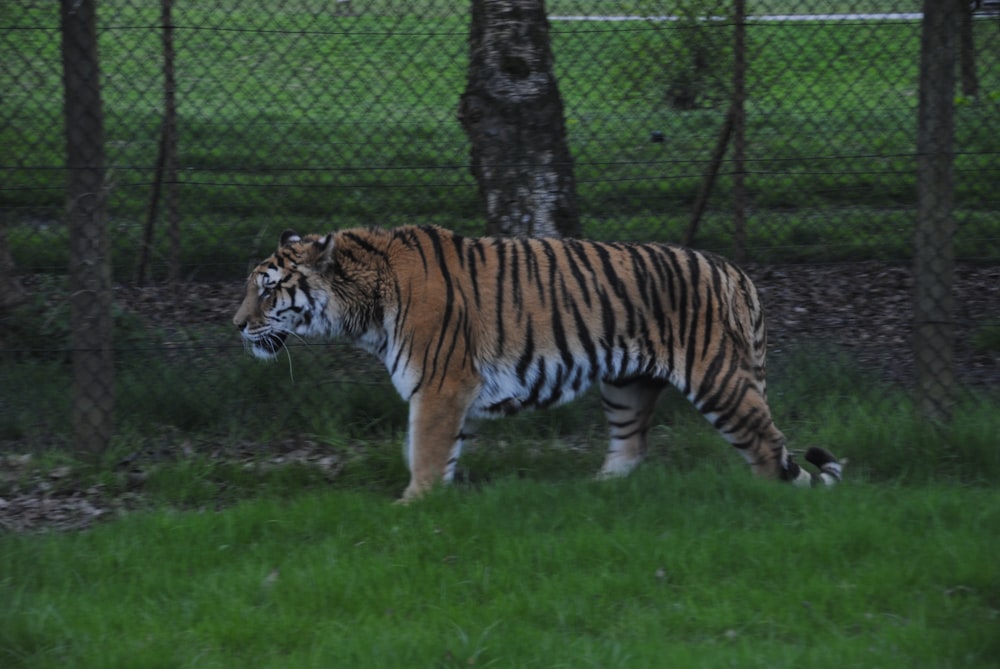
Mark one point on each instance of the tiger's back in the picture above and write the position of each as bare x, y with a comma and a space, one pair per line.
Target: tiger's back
470, 327
552, 316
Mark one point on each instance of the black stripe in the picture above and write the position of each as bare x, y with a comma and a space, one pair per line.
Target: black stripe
558, 331
550, 258
656, 281
583, 331
614, 281
608, 404
691, 337
576, 253
710, 381
678, 294
709, 322
536, 388
458, 241
557, 388
414, 242
474, 253
449, 305
715, 290
527, 354
640, 273
499, 248
362, 241
532, 266
515, 279
608, 321
460, 328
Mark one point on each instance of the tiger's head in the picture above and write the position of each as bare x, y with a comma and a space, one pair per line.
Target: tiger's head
287, 294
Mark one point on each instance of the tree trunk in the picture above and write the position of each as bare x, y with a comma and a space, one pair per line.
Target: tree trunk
513, 115
90, 265
934, 261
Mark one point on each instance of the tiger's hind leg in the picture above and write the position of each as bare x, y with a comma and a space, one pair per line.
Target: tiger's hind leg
629, 407
742, 415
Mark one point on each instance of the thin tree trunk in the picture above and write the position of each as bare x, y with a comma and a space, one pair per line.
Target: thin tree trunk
170, 147
90, 265
146, 246
718, 153
934, 261
513, 115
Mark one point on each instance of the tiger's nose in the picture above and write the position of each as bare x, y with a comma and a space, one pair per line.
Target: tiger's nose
241, 317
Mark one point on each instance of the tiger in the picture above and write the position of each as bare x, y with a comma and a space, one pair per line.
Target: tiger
482, 327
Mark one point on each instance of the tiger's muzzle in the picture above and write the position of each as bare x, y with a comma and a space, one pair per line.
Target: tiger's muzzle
264, 345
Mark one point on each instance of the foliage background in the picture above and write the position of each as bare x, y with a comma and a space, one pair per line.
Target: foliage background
294, 114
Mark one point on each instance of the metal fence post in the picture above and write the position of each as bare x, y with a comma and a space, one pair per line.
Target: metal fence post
738, 112
170, 146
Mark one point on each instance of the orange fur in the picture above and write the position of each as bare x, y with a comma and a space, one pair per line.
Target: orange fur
473, 327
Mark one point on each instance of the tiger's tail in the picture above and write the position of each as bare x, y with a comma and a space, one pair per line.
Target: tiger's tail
830, 469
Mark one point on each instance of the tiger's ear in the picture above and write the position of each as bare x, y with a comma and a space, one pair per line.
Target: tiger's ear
323, 247
289, 237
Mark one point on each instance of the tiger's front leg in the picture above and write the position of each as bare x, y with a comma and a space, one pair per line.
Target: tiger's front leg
434, 439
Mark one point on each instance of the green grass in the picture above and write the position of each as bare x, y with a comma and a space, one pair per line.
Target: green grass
691, 569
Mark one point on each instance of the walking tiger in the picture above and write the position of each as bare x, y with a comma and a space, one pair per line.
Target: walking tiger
483, 327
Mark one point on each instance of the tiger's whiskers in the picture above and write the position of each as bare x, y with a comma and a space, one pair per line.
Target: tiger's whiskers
288, 353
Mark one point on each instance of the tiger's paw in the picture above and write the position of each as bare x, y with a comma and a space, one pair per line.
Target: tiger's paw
616, 467
831, 470
410, 495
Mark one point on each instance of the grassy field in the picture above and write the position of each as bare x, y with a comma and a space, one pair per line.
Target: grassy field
705, 568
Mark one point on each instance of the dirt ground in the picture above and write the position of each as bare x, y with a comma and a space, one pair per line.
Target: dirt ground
866, 308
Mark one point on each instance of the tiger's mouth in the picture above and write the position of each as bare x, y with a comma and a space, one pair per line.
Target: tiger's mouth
265, 345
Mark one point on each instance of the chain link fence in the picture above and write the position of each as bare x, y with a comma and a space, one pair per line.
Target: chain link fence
219, 124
